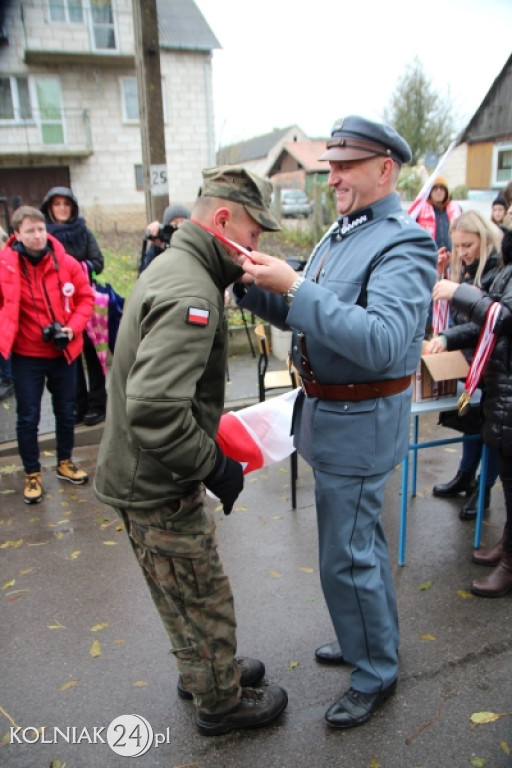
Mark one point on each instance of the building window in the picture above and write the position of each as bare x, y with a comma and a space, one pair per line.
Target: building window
15, 99
66, 10
51, 119
139, 178
130, 99
502, 164
102, 19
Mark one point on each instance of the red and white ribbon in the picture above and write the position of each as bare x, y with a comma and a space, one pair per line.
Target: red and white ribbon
225, 240
483, 351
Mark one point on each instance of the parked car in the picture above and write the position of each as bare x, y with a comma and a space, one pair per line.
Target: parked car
295, 203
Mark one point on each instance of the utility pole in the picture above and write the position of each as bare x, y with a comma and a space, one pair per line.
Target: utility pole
151, 113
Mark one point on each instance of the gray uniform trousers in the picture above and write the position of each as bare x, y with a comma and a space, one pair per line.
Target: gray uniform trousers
176, 548
355, 575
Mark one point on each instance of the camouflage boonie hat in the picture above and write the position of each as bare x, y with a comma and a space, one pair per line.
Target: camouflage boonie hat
232, 182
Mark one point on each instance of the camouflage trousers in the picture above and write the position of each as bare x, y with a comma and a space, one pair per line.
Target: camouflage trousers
176, 548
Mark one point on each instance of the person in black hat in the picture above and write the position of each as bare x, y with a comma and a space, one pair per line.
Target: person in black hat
499, 212
174, 215
63, 221
357, 316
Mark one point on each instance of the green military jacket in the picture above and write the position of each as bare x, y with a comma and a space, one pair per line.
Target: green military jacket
166, 386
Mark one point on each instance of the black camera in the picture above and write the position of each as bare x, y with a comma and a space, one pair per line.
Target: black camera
53, 332
165, 233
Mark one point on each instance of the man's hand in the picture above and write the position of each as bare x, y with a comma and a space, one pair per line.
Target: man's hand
226, 480
435, 345
269, 273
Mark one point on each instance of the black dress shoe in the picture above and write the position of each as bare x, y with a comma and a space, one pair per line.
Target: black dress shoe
329, 653
355, 707
252, 671
93, 417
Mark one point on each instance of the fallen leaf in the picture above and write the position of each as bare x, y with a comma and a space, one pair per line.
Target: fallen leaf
276, 517
12, 596
428, 637
276, 574
48, 453
478, 762
9, 469
9, 718
120, 527
375, 763
57, 625
8, 584
97, 627
425, 585
463, 593
69, 684
306, 570
110, 543
312, 599
56, 763
6, 739
119, 640
484, 717
140, 683
8, 490
293, 665
75, 554
11, 543
505, 747
26, 571
95, 649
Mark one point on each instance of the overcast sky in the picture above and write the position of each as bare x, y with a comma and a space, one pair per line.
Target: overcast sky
284, 62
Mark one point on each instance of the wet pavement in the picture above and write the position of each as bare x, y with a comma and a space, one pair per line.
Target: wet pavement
81, 643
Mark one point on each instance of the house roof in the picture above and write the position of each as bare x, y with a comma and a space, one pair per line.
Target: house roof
306, 153
493, 117
254, 148
182, 26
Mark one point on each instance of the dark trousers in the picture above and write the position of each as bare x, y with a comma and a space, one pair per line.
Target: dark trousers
30, 376
91, 396
5, 370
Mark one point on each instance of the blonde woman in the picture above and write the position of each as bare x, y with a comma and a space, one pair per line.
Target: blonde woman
475, 247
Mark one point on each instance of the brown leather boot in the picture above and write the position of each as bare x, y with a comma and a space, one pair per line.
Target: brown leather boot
492, 555
498, 583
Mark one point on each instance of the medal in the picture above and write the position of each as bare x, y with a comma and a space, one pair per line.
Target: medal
463, 403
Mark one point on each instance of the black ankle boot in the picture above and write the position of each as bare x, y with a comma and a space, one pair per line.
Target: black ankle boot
463, 482
468, 511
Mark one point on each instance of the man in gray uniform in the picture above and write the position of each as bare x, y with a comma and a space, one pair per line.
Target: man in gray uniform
158, 449
358, 319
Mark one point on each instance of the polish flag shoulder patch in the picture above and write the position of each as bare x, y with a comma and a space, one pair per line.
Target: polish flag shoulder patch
196, 316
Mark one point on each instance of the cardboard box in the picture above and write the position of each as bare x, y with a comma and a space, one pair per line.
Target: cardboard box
436, 375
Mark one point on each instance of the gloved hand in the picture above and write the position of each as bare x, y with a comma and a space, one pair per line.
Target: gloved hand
226, 480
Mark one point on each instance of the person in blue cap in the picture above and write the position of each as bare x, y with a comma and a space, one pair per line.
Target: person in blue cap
357, 314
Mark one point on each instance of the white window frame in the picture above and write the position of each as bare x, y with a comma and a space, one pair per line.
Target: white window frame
497, 149
98, 25
48, 121
133, 81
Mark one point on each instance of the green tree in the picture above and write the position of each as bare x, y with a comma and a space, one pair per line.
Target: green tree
421, 115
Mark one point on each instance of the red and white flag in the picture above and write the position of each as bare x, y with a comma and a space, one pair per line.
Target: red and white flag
260, 434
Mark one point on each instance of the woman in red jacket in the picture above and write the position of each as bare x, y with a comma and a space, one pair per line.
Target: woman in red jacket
45, 303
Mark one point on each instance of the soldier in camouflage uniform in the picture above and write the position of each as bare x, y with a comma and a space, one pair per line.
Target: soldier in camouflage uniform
158, 451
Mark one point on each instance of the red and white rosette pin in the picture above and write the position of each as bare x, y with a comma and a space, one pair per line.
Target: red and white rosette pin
68, 290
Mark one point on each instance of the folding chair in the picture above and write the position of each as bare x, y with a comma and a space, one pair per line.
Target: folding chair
272, 380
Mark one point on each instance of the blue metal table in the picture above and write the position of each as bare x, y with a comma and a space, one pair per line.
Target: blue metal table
417, 409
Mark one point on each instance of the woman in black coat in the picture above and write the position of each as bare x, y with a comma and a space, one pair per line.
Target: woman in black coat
497, 406
63, 221
474, 260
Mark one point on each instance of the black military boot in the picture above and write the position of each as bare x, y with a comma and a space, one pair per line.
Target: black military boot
463, 482
468, 511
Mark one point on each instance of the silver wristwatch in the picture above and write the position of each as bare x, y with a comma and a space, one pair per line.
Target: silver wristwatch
290, 293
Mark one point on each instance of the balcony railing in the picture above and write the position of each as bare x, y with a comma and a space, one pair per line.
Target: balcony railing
64, 29
66, 133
